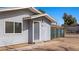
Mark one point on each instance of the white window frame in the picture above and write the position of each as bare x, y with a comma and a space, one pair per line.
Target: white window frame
5, 27
13, 27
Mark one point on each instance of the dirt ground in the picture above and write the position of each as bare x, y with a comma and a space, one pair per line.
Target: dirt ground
68, 43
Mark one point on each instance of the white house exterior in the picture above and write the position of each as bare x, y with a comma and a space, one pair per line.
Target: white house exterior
20, 25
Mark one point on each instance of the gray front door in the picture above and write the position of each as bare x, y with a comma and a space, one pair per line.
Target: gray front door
36, 31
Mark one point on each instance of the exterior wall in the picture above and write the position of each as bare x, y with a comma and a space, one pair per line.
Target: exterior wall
30, 31
45, 30
45, 33
13, 38
27, 33
1, 27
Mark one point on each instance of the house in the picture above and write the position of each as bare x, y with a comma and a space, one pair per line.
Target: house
72, 28
24, 25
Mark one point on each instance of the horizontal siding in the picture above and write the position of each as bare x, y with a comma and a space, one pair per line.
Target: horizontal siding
1, 27
45, 29
13, 38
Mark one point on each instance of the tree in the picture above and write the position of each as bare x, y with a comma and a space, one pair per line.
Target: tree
69, 19
75, 20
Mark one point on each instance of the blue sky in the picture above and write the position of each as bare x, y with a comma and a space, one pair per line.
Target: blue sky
57, 12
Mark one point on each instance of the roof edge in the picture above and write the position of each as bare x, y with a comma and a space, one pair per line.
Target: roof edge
41, 15
18, 8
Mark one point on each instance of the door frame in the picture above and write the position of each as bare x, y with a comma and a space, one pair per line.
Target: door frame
39, 31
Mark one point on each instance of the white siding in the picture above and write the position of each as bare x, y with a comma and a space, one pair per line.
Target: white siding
1, 27
44, 29
17, 38
13, 38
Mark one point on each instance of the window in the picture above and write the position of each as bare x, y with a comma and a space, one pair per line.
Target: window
18, 27
9, 27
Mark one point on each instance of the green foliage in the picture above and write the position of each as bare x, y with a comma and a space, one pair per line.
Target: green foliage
69, 19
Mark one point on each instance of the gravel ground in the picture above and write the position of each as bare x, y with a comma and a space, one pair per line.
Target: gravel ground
68, 43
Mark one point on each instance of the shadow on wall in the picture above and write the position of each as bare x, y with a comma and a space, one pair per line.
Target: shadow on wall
27, 25
9, 14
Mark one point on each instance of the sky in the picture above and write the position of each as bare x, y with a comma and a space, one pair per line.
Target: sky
57, 12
